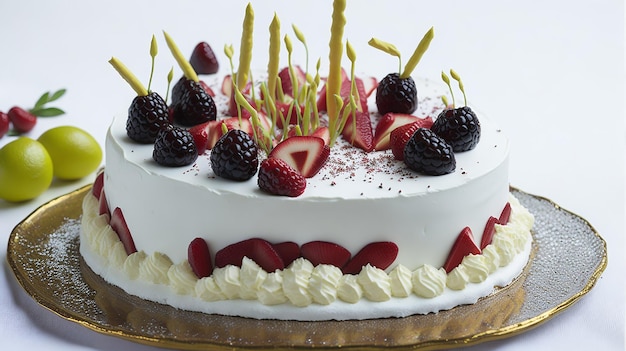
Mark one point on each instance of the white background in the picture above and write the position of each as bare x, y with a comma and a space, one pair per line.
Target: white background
551, 73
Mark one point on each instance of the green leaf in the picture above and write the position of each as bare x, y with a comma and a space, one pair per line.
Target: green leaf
57, 94
42, 100
47, 112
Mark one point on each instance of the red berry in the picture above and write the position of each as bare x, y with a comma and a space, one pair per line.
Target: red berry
118, 223
4, 124
23, 121
288, 251
278, 178
258, 250
323, 252
379, 254
463, 246
203, 59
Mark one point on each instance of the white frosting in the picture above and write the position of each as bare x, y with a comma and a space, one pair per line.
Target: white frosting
301, 291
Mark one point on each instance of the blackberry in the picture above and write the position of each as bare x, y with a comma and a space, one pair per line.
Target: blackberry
235, 156
174, 147
395, 94
191, 104
428, 153
459, 127
146, 115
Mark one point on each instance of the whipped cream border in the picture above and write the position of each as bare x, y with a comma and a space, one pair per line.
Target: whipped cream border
302, 291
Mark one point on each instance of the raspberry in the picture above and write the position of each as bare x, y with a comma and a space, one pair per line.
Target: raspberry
395, 94
428, 153
459, 127
278, 178
146, 115
191, 103
234, 156
174, 147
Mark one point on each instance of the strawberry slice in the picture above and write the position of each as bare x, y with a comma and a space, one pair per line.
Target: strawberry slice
103, 206
227, 85
304, 153
490, 230
118, 223
199, 257
258, 250
98, 184
399, 137
200, 134
276, 177
391, 121
323, 133
505, 215
379, 254
207, 88
285, 79
463, 246
324, 252
203, 59
321, 101
369, 85
359, 133
288, 251
287, 111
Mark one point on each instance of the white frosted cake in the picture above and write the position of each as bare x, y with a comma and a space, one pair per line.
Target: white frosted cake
366, 236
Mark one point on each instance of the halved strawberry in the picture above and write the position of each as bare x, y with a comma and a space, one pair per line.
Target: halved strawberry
304, 153
258, 250
505, 215
399, 137
490, 230
215, 128
203, 59
276, 177
379, 254
324, 252
287, 112
118, 223
200, 134
98, 184
227, 85
199, 257
463, 246
359, 133
391, 121
288, 251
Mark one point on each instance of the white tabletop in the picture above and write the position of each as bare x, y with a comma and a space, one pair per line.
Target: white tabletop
551, 73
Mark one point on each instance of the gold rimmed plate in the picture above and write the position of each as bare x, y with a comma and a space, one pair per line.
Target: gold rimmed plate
43, 254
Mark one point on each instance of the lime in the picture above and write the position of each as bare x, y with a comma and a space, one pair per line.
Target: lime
25, 170
74, 152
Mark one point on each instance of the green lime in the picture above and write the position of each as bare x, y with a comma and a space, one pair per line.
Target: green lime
74, 152
25, 170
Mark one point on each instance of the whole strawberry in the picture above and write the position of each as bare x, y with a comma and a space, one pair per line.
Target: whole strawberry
174, 147
278, 178
429, 154
146, 116
235, 156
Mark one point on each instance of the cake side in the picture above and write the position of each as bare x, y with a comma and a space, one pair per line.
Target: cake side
301, 291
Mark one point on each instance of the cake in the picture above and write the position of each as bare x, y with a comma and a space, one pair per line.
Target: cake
322, 219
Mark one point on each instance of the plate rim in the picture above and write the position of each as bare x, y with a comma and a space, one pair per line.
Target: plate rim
488, 335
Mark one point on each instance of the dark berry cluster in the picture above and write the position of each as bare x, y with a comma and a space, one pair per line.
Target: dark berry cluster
395, 94
428, 153
459, 127
191, 104
174, 147
146, 116
235, 156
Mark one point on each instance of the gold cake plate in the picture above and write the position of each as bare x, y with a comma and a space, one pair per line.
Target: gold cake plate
568, 258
